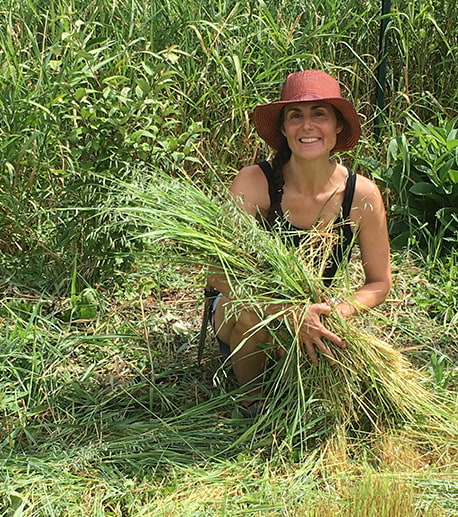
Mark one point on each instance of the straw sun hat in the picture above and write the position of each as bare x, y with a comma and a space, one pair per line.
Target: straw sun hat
308, 85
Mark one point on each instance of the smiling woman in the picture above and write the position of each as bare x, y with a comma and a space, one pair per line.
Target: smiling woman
301, 189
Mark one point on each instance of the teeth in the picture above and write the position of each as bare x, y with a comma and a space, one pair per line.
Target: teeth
308, 140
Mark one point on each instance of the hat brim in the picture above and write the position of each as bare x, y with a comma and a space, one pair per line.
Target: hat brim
266, 122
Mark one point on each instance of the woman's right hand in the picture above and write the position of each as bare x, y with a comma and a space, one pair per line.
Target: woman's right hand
311, 331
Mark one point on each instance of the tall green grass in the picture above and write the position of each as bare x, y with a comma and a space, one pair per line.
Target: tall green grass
95, 86
109, 414
103, 410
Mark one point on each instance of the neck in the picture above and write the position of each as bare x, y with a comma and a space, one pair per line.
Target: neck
310, 176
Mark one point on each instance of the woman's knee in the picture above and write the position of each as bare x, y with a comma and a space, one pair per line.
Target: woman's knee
243, 324
248, 320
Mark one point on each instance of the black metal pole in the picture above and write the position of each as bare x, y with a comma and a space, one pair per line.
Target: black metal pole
381, 71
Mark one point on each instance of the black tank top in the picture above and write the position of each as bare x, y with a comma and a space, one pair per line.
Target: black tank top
342, 224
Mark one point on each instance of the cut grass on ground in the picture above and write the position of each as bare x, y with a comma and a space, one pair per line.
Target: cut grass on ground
87, 408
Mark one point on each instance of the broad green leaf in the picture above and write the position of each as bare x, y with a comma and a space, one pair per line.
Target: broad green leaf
171, 56
148, 69
443, 173
80, 93
55, 64
401, 240
393, 149
452, 144
422, 189
137, 135
396, 176
144, 85
453, 175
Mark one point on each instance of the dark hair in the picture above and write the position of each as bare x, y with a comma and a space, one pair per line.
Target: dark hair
340, 118
281, 157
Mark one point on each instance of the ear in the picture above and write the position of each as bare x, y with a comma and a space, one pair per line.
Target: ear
282, 130
340, 127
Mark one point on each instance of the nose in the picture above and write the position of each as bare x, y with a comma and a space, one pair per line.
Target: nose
306, 120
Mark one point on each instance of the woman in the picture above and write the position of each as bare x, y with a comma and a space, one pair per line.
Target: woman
308, 123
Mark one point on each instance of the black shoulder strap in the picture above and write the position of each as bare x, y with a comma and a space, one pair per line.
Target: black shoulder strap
348, 196
274, 193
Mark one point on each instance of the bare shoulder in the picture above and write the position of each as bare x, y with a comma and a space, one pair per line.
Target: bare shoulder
250, 185
367, 201
365, 187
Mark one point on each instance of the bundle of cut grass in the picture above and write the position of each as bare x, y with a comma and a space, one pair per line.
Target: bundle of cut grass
371, 386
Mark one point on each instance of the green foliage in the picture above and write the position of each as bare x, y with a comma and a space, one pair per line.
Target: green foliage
90, 90
440, 371
103, 410
440, 294
92, 418
94, 127
422, 60
422, 176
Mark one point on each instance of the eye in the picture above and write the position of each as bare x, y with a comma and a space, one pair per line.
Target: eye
294, 114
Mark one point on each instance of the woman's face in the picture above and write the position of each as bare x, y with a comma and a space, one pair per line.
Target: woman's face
311, 128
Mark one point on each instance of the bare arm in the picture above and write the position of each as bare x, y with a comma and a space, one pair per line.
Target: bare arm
368, 213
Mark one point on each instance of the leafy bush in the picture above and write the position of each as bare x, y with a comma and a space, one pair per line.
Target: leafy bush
422, 173
75, 117
90, 91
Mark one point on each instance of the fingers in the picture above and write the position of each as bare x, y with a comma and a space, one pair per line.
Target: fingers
313, 332
315, 326
322, 309
334, 338
318, 331
323, 348
311, 353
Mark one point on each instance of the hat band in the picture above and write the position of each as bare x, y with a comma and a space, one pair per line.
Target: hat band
302, 96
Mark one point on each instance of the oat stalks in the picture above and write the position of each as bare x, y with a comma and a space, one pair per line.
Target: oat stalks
371, 386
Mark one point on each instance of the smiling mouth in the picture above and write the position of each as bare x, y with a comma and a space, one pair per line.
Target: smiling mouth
308, 140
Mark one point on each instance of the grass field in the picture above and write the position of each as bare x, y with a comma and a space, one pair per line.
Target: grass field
104, 409
110, 415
